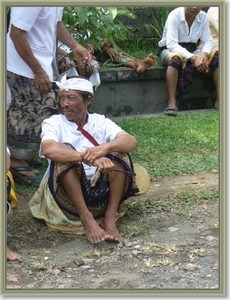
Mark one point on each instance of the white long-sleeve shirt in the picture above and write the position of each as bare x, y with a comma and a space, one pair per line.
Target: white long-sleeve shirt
176, 31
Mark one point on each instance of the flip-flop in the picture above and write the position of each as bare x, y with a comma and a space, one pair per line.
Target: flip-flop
34, 162
171, 107
16, 173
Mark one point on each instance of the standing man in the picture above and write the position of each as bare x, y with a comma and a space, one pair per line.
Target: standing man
185, 29
31, 59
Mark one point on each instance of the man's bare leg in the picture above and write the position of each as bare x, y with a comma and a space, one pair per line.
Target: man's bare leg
94, 233
171, 86
116, 183
11, 255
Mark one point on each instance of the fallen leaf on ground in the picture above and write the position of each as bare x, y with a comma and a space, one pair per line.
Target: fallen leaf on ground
199, 180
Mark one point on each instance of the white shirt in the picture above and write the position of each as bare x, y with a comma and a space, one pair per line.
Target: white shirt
213, 17
59, 129
176, 31
41, 26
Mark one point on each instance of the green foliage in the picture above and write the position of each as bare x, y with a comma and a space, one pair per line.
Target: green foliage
140, 48
159, 16
93, 24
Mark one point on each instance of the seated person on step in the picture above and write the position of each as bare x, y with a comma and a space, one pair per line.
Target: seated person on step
109, 57
90, 171
184, 29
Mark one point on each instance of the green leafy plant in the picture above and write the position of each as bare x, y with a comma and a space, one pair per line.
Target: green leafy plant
93, 24
159, 16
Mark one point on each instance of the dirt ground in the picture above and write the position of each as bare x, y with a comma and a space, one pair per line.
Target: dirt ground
179, 253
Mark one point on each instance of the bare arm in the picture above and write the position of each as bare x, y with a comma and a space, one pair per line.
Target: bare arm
42, 81
60, 152
81, 54
123, 143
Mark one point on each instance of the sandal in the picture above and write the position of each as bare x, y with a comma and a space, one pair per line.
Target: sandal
20, 177
171, 107
34, 162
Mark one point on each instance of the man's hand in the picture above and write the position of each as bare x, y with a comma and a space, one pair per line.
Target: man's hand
42, 81
81, 57
91, 154
201, 63
111, 53
104, 164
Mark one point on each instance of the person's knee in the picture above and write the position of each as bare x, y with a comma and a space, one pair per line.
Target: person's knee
175, 62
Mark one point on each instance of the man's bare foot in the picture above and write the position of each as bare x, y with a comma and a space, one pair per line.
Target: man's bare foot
146, 63
111, 229
11, 255
94, 233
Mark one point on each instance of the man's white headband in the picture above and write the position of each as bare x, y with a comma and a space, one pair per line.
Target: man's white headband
79, 84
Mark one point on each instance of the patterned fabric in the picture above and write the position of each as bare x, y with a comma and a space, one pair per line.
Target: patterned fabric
64, 63
51, 202
186, 74
95, 190
27, 110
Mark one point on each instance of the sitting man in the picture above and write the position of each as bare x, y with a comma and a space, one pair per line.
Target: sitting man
90, 170
185, 29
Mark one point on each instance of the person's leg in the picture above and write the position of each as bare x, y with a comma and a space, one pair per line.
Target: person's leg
146, 63
11, 255
216, 81
116, 186
93, 231
171, 86
141, 65
214, 68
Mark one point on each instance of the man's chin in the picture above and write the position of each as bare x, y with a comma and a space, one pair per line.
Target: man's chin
69, 117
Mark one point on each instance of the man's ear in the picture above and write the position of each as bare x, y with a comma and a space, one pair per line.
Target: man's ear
89, 100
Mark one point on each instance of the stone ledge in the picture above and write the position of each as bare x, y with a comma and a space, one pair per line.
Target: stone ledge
125, 73
123, 92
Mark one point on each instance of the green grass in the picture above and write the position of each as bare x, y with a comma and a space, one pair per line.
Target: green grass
141, 48
168, 146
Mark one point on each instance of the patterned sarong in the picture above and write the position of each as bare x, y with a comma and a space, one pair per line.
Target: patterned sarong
52, 204
186, 69
27, 110
64, 63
